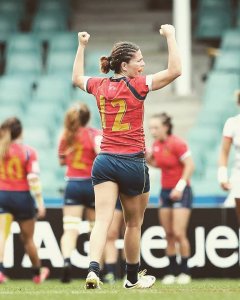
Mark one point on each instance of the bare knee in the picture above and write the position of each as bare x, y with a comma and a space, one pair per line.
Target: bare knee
170, 237
112, 235
26, 239
179, 236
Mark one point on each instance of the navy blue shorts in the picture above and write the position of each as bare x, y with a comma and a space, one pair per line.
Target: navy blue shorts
185, 202
79, 192
20, 204
129, 172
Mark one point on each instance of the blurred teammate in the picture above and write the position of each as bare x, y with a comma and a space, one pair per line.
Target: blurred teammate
19, 173
231, 136
78, 147
172, 156
120, 167
111, 252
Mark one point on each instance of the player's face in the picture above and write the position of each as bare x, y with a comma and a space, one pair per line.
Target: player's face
136, 65
157, 129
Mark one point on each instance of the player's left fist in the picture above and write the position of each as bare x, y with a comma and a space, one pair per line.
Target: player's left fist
83, 38
167, 30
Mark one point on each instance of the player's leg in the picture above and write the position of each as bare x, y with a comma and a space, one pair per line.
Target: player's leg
26, 234
111, 252
181, 218
90, 216
106, 194
166, 220
133, 211
72, 216
237, 202
5, 225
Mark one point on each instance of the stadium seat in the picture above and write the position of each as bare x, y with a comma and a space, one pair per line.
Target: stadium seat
92, 62
231, 40
7, 27
53, 89
24, 64
14, 90
39, 115
47, 25
8, 111
53, 7
12, 9
214, 4
213, 18
23, 42
63, 41
205, 137
37, 137
228, 61
61, 63
80, 95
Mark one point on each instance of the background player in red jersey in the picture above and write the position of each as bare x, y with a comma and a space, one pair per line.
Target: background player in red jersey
172, 156
120, 167
78, 148
19, 173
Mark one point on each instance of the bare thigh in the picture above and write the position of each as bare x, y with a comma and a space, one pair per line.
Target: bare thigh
181, 218
134, 207
166, 219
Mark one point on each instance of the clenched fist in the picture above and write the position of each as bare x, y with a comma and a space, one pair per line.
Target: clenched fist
167, 30
83, 38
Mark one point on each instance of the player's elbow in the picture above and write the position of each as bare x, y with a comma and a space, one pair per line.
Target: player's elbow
75, 80
175, 73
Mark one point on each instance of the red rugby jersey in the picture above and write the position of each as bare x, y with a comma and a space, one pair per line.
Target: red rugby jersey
79, 158
19, 161
121, 106
169, 155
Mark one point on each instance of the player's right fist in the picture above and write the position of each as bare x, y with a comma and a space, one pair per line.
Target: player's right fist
167, 30
83, 38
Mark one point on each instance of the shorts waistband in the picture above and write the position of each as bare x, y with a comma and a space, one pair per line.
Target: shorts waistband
132, 155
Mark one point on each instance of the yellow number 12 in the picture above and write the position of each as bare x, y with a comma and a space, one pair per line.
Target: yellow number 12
117, 125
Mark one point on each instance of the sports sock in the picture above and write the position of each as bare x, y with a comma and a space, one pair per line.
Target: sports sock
67, 261
110, 268
173, 266
36, 271
94, 267
183, 266
1, 267
132, 272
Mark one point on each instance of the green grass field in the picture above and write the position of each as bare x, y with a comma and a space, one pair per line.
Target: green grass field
53, 289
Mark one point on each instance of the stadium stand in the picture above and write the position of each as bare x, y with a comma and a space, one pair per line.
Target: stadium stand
213, 17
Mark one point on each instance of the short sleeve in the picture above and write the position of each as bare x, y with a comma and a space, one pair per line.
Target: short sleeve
142, 85
228, 128
92, 84
32, 165
181, 149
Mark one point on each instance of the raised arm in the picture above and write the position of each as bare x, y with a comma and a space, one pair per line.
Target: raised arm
78, 66
174, 68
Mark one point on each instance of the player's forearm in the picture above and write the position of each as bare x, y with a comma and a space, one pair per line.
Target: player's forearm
188, 170
78, 66
174, 60
36, 189
223, 159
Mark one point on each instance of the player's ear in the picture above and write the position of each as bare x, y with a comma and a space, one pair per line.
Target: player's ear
124, 66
